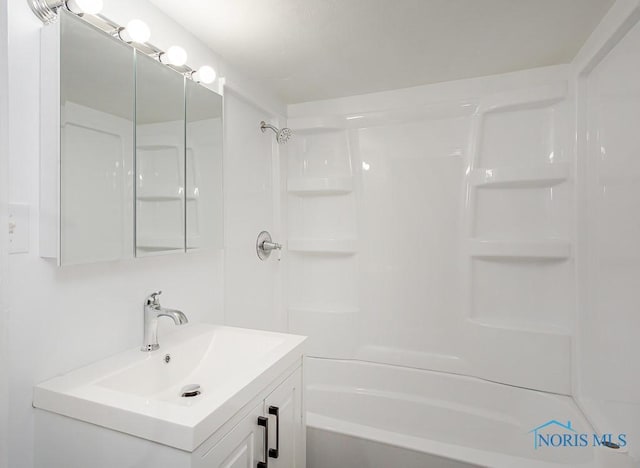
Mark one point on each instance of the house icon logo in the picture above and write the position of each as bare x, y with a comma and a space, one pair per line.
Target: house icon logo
554, 434
542, 432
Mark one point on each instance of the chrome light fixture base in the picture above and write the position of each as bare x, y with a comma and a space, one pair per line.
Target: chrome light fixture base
46, 10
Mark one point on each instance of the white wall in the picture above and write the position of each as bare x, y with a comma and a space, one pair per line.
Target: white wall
63, 318
4, 192
607, 370
423, 262
252, 286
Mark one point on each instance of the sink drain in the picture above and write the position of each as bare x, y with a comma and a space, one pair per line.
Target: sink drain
190, 391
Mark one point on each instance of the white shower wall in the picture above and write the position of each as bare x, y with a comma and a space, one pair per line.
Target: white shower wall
607, 365
431, 228
252, 288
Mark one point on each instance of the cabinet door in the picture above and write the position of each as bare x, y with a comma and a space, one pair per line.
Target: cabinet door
96, 138
243, 447
286, 424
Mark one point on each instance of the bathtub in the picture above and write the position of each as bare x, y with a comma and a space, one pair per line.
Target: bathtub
379, 416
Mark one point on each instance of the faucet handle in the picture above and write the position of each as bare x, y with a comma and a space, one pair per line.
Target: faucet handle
152, 299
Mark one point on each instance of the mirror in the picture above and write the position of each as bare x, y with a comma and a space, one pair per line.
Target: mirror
203, 167
160, 158
134, 167
96, 144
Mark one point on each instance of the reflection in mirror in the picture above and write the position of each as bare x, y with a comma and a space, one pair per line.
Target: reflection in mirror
96, 140
160, 203
204, 167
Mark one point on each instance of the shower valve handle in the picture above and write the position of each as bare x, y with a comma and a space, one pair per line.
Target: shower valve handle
269, 246
265, 245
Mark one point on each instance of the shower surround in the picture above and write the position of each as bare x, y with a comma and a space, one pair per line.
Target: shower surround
435, 261
430, 229
434, 225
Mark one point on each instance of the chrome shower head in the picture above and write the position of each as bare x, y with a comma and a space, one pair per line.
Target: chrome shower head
282, 135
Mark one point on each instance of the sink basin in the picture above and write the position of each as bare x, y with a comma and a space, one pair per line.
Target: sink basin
141, 393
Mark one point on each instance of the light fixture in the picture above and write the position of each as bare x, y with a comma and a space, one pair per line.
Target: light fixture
174, 55
47, 10
136, 31
204, 74
90, 7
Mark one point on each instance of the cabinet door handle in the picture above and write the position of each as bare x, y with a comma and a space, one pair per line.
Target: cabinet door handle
273, 453
264, 422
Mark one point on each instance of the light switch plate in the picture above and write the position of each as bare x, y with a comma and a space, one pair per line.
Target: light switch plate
18, 228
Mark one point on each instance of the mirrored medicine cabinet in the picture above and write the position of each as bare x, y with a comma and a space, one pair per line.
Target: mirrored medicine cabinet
131, 157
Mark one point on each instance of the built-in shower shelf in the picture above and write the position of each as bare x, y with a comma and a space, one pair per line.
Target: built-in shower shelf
520, 325
547, 249
316, 309
313, 186
156, 147
158, 248
545, 175
161, 197
316, 124
159, 243
327, 246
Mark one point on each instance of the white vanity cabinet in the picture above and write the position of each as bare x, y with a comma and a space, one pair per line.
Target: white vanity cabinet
132, 410
278, 418
287, 430
63, 442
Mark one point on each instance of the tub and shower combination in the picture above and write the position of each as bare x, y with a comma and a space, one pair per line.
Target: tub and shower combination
461, 256
381, 416
417, 277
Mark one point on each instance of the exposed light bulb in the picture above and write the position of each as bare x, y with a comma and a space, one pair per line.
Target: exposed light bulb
174, 55
205, 74
138, 31
90, 7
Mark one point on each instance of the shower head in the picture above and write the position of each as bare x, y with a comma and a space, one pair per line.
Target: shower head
282, 135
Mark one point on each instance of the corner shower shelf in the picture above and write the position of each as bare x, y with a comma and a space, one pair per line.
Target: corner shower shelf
310, 186
327, 246
513, 177
316, 124
547, 249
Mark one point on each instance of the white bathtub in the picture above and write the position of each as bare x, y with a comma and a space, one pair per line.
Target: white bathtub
377, 416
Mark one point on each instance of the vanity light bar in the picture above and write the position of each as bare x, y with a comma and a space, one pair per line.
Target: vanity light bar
47, 10
136, 34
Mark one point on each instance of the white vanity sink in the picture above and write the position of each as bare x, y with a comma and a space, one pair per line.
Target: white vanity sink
139, 393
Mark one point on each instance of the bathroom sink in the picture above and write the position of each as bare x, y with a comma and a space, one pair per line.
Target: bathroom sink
141, 393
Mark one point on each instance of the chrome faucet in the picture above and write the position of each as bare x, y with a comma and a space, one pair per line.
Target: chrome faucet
153, 310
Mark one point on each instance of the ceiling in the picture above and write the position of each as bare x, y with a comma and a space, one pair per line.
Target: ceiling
318, 49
